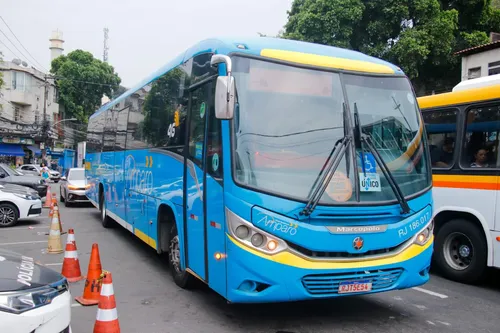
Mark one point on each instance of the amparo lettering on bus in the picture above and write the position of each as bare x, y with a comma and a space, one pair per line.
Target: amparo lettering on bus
138, 180
279, 226
415, 225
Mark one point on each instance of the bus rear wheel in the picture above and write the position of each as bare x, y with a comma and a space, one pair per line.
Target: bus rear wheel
105, 219
181, 278
461, 251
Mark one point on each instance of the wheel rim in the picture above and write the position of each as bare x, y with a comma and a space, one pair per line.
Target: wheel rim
174, 252
103, 210
7, 215
458, 251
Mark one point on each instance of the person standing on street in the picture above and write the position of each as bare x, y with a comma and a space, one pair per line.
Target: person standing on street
45, 172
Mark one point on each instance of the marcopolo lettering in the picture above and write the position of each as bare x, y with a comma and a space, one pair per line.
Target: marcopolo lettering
357, 229
26, 269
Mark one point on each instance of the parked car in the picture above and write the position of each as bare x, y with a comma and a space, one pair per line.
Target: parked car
8, 175
33, 298
55, 176
73, 186
18, 202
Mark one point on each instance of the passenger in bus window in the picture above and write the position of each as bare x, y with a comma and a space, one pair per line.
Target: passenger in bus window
442, 158
480, 158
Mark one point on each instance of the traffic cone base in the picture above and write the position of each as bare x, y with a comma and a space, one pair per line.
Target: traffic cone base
71, 265
107, 315
92, 289
54, 244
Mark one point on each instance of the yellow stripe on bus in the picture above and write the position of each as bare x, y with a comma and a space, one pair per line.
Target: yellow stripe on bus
328, 62
289, 259
460, 97
145, 238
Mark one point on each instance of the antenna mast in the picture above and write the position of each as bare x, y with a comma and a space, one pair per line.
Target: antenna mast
106, 46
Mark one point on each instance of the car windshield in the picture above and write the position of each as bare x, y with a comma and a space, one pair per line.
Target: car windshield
9, 171
287, 120
76, 175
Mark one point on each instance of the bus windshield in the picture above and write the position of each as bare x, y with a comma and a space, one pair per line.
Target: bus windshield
287, 120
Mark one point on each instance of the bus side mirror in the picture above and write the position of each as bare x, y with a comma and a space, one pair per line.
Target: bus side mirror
224, 89
224, 97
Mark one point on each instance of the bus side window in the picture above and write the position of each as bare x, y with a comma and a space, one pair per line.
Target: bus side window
214, 148
441, 129
481, 137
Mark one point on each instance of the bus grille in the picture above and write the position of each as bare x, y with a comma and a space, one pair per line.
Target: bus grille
328, 284
345, 255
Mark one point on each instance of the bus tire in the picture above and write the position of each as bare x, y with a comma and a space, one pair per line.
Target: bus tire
461, 251
181, 278
105, 219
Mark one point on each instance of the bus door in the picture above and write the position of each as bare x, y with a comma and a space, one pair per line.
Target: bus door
195, 227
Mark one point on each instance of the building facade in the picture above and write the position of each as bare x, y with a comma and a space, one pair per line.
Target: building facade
482, 60
22, 111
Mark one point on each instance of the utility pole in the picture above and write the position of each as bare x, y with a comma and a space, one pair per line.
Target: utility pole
106, 47
45, 121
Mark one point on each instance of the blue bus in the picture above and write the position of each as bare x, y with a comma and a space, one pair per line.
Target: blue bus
270, 169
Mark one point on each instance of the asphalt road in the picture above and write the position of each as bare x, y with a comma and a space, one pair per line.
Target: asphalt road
149, 301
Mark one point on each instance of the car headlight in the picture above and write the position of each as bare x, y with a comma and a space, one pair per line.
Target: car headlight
18, 302
246, 233
26, 196
422, 237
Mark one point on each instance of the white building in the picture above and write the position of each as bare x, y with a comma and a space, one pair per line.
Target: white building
482, 60
22, 99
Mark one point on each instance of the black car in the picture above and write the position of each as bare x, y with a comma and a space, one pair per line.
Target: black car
9, 176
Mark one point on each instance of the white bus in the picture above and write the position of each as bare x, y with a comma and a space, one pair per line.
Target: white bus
463, 129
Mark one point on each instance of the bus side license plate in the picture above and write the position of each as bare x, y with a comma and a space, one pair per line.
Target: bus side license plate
356, 286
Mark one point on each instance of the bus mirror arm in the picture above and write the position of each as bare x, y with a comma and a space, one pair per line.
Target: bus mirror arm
224, 89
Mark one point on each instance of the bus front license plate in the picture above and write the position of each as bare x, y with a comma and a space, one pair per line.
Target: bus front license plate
357, 286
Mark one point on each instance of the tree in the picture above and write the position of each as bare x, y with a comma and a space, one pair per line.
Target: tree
82, 80
421, 36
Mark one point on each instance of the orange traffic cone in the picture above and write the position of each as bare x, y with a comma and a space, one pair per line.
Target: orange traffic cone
55, 245
92, 288
48, 198
56, 209
71, 265
107, 316
53, 203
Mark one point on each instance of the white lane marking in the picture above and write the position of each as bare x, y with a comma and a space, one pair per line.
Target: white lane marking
54, 264
444, 323
425, 291
397, 298
25, 228
16, 243
74, 305
421, 307
430, 322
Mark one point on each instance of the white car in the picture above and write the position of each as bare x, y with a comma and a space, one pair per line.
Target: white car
33, 298
33, 169
18, 202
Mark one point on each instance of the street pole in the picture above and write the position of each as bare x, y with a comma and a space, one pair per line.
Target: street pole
45, 126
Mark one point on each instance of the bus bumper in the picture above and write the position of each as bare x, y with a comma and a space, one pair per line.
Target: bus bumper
255, 279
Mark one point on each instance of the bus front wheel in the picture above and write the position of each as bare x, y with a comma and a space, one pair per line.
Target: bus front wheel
181, 278
461, 251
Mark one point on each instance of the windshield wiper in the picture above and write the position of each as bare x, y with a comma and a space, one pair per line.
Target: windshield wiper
327, 171
366, 139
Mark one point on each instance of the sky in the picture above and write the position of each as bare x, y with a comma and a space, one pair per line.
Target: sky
143, 34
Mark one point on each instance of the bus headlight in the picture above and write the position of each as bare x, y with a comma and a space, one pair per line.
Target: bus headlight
425, 234
246, 233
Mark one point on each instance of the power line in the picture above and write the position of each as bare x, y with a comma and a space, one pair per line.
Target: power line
23, 56
15, 54
13, 34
